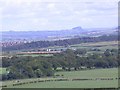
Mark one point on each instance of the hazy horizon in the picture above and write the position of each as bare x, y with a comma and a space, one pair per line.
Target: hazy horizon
53, 15
59, 29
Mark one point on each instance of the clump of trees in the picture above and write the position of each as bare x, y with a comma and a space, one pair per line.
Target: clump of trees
34, 67
26, 67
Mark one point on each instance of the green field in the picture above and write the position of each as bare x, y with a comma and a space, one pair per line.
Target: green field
97, 78
3, 70
71, 84
98, 45
36, 55
90, 73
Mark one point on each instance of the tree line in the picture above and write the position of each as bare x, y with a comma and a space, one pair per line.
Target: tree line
34, 67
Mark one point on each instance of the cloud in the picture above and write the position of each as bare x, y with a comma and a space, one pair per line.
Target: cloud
57, 14
51, 6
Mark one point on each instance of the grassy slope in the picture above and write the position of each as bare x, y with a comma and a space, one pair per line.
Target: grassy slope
97, 73
91, 73
72, 84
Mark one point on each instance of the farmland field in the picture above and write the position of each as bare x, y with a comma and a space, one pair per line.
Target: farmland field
99, 45
2, 70
91, 73
36, 55
97, 78
72, 84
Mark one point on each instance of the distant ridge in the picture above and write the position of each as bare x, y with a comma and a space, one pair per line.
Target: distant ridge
78, 28
55, 35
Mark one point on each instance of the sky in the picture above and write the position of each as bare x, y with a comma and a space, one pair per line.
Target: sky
35, 15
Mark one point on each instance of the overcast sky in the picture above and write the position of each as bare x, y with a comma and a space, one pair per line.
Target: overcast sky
32, 15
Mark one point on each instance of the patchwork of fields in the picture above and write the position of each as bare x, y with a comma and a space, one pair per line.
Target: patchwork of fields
99, 45
102, 46
97, 78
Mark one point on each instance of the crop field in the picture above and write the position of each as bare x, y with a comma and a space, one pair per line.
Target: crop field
95, 78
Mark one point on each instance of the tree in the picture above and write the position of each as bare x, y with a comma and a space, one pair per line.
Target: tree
81, 51
107, 53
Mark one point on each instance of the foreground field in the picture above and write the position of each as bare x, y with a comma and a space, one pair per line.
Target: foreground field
72, 84
97, 78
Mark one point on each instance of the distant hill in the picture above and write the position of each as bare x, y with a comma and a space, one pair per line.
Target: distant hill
54, 35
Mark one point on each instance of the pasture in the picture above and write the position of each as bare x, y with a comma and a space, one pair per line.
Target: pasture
3, 70
99, 45
91, 45
90, 73
36, 55
96, 78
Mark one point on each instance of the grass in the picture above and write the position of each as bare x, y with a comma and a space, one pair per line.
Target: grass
92, 74
36, 55
3, 70
72, 84
98, 45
